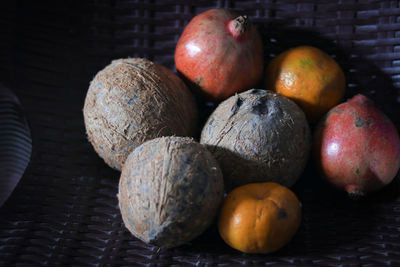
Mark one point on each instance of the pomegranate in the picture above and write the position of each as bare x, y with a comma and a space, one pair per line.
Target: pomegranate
220, 53
357, 147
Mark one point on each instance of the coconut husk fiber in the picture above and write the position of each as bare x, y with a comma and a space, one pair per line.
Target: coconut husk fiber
134, 100
258, 136
170, 191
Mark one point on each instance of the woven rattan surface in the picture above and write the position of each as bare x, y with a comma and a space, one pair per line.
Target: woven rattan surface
64, 210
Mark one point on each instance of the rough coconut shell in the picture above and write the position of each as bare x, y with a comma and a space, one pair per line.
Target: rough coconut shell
258, 136
134, 100
170, 190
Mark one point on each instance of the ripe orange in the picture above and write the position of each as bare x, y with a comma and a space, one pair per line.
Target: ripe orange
308, 76
259, 217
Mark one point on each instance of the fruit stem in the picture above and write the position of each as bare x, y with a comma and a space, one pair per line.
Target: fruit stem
238, 26
354, 191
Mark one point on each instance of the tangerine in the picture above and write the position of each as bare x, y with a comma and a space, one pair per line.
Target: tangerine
308, 76
259, 217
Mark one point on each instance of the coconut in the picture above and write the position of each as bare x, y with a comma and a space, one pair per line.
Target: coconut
258, 136
134, 100
170, 190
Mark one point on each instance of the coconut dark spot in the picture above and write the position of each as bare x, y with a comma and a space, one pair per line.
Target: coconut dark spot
184, 189
274, 109
260, 107
239, 102
188, 160
282, 213
256, 92
267, 106
210, 122
357, 171
236, 106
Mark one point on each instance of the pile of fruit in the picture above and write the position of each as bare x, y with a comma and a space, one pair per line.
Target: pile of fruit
141, 119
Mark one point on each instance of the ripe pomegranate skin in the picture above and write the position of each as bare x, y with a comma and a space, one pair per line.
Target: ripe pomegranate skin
357, 147
221, 53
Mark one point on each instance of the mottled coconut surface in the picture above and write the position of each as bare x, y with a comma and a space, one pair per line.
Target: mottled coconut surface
170, 190
134, 100
258, 136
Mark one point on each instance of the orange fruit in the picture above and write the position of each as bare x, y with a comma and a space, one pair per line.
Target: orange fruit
308, 76
259, 217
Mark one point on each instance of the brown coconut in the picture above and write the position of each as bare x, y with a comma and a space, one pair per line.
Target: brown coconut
258, 136
134, 100
170, 190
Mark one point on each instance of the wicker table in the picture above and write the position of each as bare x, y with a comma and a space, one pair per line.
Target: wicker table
64, 210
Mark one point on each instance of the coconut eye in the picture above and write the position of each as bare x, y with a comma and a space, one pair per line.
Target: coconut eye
257, 143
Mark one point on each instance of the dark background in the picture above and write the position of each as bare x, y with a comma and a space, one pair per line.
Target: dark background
64, 210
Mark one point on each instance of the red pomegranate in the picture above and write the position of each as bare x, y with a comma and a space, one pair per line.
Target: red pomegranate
357, 147
221, 53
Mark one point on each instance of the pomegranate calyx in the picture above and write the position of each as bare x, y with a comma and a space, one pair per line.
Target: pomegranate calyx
354, 191
239, 26
362, 99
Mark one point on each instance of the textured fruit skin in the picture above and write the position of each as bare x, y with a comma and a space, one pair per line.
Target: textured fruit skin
308, 76
357, 147
259, 217
258, 136
218, 61
133, 100
170, 191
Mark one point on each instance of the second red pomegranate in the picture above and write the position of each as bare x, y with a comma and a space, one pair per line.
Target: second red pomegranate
357, 147
221, 53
